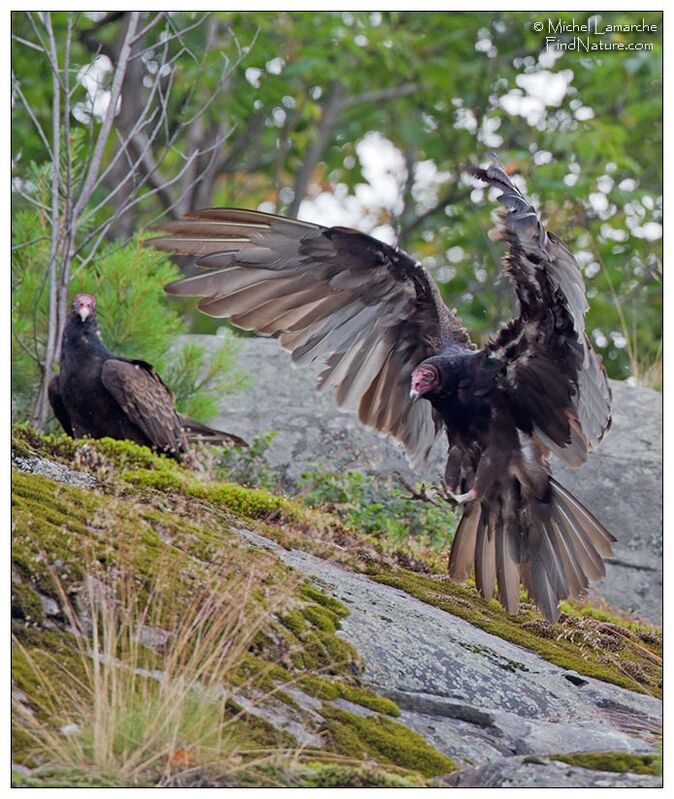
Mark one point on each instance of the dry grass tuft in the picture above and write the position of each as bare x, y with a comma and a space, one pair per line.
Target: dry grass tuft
148, 690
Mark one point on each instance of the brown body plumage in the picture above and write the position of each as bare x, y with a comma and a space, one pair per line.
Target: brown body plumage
98, 394
377, 321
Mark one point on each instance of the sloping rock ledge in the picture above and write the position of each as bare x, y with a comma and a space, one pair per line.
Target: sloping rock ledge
496, 709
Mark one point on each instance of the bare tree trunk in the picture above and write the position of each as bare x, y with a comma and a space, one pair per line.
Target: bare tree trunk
331, 110
133, 94
40, 406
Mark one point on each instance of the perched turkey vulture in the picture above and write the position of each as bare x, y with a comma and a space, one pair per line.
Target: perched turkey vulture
386, 338
99, 394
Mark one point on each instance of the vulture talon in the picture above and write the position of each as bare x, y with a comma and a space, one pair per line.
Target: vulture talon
462, 499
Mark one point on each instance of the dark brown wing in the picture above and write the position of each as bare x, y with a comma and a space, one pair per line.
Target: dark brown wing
59, 408
147, 401
555, 381
366, 309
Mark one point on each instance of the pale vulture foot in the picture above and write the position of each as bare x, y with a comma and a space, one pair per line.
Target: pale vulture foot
461, 499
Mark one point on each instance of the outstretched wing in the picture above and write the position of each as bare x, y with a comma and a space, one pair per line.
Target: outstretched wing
366, 309
554, 380
147, 401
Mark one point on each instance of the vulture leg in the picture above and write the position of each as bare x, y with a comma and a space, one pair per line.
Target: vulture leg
467, 496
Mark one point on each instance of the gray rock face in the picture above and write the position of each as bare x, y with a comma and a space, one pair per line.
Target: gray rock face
481, 700
527, 772
53, 470
621, 483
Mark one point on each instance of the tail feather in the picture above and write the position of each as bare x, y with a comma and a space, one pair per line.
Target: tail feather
462, 554
485, 560
196, 432
598, 534
577, 581
546, 581
507, 567
554, 548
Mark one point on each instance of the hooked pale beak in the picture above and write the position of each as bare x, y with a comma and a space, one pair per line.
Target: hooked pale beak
84, 313
414, 395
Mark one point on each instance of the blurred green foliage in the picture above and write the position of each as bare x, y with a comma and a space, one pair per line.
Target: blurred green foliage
583, 129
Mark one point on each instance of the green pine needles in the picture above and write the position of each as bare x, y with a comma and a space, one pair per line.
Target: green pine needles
137, 320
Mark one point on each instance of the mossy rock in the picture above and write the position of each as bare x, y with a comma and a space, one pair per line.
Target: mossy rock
327, 689
336, 776
614, 761
26, 603
596, 644
65, 778
147, 510
384, 740
27, 442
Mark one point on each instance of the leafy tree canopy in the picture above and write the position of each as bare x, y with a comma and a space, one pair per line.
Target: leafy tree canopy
308, 108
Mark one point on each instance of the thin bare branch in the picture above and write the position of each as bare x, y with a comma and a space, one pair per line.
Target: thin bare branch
144, 119
50, 50
32, 355
143, 144
381, 95
102, 230
28, 43
16, 247
37, 32
144, 31
39, 410
419, 494
175, 36
31, 200
69, 222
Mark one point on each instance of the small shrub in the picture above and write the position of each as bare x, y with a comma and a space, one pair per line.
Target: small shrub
374, 505
249, 466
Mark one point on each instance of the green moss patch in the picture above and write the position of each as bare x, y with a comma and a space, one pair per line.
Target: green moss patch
606, 651
322, 776
27, 442
26, 604
314, 594
614, 761
65, 778
328, 690
385, 740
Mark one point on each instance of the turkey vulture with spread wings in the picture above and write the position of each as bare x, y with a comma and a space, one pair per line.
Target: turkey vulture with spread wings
99, 394
393, 351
